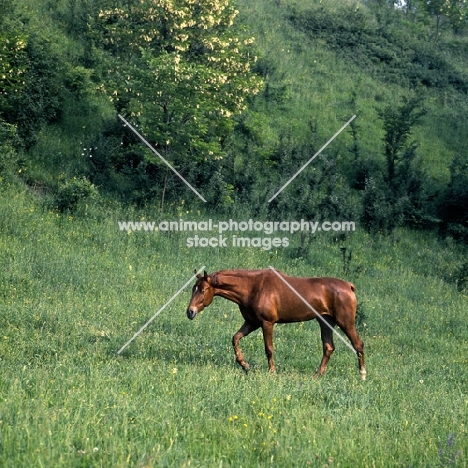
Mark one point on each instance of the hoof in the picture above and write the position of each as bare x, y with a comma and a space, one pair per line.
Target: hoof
363, 374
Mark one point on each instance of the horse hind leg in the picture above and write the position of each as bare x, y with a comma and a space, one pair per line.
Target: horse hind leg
246, 328
358, 346
326, 330
345, 314
267, 328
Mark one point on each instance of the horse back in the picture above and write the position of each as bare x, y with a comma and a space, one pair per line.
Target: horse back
300, 299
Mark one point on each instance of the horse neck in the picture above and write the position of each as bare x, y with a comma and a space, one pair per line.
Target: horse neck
232, 287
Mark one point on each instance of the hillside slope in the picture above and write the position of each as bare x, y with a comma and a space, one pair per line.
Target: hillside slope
331, 60
322, 62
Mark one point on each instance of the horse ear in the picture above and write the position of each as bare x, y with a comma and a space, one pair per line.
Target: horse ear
205, 274
198, 274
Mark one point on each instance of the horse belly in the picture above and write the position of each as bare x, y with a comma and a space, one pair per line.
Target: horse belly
296, 320
296, 310
292, 318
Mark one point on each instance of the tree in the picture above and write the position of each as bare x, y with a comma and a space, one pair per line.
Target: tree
436, 8
399, 194
398, 124
454, 12
454, 207
13, 59
30, 75
183, 71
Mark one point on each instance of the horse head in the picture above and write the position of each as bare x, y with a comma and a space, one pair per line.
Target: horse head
202, 295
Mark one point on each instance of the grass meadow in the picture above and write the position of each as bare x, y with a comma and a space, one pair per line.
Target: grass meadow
74, 289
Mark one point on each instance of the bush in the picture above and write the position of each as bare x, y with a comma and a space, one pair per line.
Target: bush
460, 276
8, 155
378, 213
40, 100
74, 191
453, 209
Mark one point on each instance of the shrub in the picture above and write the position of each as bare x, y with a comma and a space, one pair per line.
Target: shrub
454, 207
378, 211
72, 192
8, 155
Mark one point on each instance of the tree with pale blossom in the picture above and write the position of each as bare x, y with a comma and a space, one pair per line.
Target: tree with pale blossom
180, 69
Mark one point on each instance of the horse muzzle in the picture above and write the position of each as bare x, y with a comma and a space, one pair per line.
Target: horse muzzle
192, 313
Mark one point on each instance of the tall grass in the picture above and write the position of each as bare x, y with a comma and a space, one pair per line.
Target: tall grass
75, 289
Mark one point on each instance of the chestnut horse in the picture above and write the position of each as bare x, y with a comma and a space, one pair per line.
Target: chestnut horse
264, 298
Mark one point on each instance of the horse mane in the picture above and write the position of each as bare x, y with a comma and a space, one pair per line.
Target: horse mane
217, 277
214, 280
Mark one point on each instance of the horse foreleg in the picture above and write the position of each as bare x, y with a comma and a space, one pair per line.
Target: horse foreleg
246, 328
326, 330
267, 328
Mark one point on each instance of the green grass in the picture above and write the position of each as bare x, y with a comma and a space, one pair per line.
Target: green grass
74, 289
